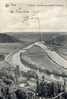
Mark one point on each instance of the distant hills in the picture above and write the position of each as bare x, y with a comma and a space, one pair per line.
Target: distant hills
50, 38
56, 40
5, 38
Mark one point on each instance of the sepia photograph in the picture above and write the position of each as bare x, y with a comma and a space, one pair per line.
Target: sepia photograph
33, 65
33, 49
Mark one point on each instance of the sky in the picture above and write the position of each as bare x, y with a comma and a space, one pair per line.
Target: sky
33, 16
